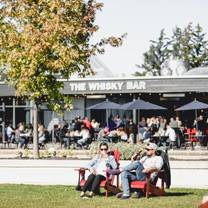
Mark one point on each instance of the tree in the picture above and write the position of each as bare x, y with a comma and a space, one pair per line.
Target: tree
188, 45
156, 55
191, 46
42, 38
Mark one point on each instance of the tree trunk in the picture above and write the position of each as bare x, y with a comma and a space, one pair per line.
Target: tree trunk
35, 132
3, 123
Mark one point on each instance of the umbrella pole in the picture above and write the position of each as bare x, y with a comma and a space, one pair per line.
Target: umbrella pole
196, 119
138, 116
107, 116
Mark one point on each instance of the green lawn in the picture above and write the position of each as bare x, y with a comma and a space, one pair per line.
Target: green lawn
29, 196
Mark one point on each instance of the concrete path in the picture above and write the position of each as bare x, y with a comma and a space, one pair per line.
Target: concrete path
189, 174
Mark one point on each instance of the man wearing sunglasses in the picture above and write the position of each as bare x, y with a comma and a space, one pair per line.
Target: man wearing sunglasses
151, 163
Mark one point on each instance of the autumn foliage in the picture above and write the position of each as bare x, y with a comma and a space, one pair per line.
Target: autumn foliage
40, 39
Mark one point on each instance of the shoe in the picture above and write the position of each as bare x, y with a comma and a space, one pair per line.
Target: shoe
140, 194
125, 197
137, 194
113, 171
86, 197
119, 195
82, 194
90, 194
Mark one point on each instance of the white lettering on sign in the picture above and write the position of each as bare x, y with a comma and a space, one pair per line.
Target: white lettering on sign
94, 86
135, 85
78, 86
109, 85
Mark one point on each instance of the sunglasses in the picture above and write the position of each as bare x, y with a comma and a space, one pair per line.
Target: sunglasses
149, 149
103, 149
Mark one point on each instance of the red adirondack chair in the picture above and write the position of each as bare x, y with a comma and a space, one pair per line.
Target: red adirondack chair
149, 187
108, 183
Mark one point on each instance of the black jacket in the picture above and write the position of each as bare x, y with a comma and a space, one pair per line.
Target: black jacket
166, 167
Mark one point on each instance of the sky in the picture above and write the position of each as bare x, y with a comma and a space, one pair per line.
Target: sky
142, 20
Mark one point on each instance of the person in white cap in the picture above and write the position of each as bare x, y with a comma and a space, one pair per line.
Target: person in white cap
151, 163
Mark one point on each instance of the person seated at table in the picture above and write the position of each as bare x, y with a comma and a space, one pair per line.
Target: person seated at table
170, 132
133, 131
111, 123
85, 134
10, 134
151, 163
25, 135
77, 124
97, 168
41, 135
103, 133
63, 128
173, 123
153, 126
95, 124
200, 125
122, 134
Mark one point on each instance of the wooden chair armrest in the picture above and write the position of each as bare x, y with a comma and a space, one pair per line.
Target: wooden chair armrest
81, 170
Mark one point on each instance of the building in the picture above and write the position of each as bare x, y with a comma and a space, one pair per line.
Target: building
170, 92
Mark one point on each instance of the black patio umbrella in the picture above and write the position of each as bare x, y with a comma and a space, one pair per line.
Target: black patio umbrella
104, 105
141, 105
194, 105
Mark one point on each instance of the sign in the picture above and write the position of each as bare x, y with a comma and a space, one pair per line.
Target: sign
96, 86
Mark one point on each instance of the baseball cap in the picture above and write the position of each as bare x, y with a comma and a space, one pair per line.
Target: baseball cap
151, 146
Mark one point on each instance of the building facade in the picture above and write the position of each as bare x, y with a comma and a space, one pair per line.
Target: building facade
170, 92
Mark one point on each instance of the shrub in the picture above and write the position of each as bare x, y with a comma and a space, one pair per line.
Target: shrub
126, 149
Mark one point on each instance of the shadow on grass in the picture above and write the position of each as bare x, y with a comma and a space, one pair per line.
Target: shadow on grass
178, 193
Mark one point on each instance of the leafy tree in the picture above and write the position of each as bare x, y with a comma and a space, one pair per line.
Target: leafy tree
42, 38
189, 45
156, 55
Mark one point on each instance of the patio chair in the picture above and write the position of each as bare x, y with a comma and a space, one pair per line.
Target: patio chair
108, 183
190, 138
149, 186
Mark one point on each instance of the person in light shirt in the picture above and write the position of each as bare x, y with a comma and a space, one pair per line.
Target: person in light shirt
151, 163
170, 132
85, 134
97, 168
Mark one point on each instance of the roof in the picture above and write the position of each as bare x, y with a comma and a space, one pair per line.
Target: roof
197, 71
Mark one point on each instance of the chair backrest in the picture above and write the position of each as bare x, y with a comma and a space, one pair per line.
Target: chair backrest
116, 154
193, 131
188, 130
165, 171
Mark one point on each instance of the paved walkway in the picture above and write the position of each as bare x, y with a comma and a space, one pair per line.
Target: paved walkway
188, 168
189, 174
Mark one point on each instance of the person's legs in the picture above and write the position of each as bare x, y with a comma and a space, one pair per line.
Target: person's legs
81, 142
139, 174
66, 142
96, 183
26, 142
88, 183
133, 166
126, 177
21, 142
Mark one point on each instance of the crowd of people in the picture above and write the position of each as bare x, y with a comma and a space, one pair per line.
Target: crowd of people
81, 132
22, 135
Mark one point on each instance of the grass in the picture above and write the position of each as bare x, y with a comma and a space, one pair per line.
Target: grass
30, 196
